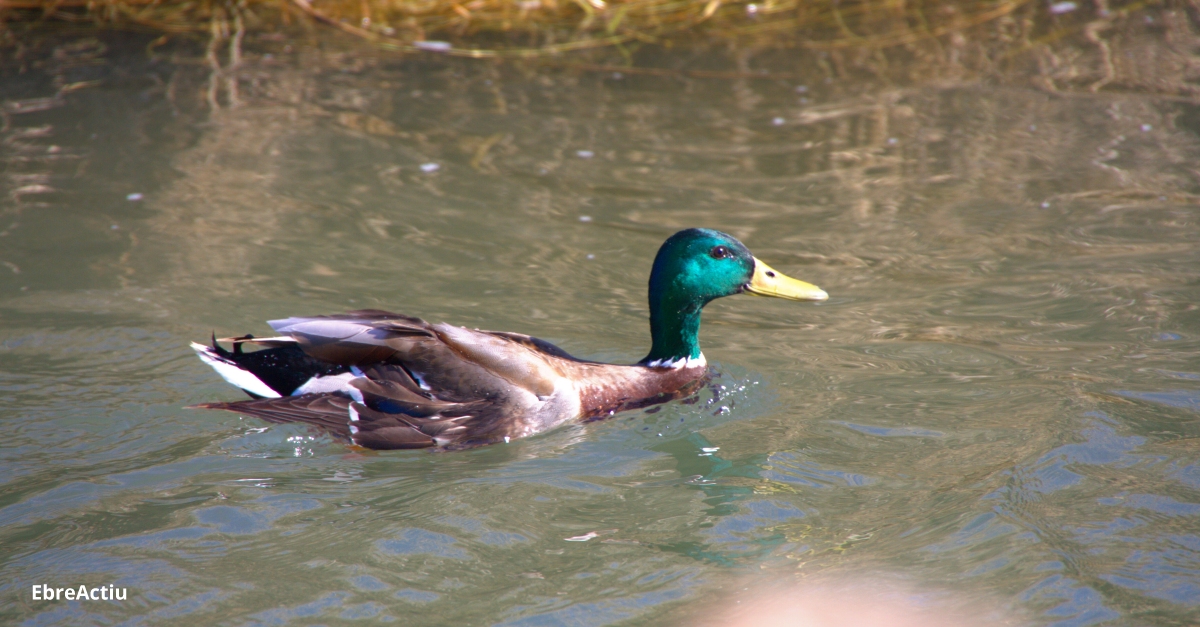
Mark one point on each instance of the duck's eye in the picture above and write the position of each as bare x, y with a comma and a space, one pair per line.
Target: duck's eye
720, 252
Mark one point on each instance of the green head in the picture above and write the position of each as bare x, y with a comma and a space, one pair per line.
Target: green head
693, 267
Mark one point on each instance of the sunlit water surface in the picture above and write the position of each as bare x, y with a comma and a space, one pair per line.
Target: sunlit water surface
998, 403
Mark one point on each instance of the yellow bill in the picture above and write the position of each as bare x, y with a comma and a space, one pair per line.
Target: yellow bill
769, 282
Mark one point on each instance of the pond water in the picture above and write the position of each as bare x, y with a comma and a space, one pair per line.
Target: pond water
996, 408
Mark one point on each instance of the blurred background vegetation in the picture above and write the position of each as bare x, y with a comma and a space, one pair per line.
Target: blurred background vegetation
848, 31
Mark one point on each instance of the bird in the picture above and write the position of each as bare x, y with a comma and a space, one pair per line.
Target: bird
385, 381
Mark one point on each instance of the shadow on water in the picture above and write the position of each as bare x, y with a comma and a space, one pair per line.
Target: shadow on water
998, 400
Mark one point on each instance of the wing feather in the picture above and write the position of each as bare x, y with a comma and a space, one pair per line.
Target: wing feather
418, 385
328, 411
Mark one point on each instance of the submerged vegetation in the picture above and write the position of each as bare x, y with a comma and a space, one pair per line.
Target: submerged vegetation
540, 28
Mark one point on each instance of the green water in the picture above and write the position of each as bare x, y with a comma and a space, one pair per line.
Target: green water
998, 403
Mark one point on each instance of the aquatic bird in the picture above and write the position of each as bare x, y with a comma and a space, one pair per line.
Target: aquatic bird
388, 381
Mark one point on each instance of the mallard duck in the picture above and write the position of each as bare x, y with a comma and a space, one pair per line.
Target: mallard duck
388, 381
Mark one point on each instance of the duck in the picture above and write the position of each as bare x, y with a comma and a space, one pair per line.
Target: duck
382, 380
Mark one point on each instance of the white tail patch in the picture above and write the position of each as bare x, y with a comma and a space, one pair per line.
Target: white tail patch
232, 373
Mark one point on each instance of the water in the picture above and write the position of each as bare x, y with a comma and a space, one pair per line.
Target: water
997, 406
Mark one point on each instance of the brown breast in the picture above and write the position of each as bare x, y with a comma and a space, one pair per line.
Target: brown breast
606, 389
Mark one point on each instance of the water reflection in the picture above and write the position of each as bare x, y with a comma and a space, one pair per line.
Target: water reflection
997, 398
